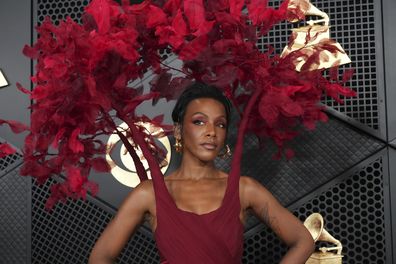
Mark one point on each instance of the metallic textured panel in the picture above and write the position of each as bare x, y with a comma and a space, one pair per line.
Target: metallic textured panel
353, 25
353, 213
389, 33
391, 180
14, 218
9, 162
353, 209
68, 233
59, 10
15, 32
321, 155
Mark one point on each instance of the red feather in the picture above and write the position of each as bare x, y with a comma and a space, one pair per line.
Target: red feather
195, 13
155, 16
15, 126
191, 50
74, 144
6, 150
82, 74
236, 7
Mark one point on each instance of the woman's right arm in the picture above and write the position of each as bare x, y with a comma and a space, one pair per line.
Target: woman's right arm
128, 218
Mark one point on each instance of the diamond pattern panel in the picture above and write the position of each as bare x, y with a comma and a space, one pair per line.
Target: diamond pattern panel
321, 155
7, 162
353, 25
14, 221
353, 213
69, 232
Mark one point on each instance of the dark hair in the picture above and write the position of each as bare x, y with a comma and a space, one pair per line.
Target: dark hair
195, 91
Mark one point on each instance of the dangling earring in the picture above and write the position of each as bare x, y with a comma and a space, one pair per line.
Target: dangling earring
178, 145
227, 153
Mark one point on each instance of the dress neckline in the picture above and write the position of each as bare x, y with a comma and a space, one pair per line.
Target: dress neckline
172, 201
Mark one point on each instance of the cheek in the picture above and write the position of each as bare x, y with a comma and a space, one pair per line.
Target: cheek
222, 135
191, 132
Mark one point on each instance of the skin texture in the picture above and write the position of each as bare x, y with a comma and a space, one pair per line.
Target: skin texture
197, 186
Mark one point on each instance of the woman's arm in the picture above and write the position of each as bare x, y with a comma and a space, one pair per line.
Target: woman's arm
286, 226
123, 225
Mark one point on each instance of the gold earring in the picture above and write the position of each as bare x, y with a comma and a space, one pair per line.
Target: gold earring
178, 145
227, 153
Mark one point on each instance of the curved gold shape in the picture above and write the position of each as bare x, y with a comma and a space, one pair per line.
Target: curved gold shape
306, 38
314, 223
129, 177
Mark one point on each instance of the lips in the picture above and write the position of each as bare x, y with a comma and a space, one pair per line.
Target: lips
209, 146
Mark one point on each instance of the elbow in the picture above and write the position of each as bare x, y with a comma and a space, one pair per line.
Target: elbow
308, 244
99, 258
305, 244
311, 245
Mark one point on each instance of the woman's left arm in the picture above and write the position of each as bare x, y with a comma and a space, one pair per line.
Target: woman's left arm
286, 226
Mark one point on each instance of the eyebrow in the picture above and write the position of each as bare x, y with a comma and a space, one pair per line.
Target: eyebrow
223, 116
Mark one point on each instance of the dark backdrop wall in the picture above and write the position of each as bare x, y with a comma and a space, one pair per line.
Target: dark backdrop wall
345, 170
15, 191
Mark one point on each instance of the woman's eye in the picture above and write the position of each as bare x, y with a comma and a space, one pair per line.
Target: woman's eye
198, 122
222, 125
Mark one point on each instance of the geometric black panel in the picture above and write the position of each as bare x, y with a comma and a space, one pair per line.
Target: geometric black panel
8, 162
353, 210
59, 10
353, 25
321, 155
353, 213
141, 249
14, 218
69, 232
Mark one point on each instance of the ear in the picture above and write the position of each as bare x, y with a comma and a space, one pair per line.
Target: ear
177, 130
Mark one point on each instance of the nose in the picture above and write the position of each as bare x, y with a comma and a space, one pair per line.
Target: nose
210, 130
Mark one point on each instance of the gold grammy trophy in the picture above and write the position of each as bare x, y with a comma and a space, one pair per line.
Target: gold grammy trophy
314, 223
307, 39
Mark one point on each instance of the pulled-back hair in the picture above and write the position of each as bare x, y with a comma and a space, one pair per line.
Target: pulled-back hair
195, 91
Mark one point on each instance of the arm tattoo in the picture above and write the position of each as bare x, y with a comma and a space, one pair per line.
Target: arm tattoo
267, 219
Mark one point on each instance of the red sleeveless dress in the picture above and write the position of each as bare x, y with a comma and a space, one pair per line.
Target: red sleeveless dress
185, 237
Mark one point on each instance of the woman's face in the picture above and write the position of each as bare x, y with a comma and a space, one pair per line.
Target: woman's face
204, 129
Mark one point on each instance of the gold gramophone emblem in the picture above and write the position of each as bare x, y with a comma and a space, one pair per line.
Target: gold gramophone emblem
315, 225
307, 40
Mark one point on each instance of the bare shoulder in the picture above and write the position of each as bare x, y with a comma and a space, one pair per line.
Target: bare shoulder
145, 187
142, 194
249, 184
252, 192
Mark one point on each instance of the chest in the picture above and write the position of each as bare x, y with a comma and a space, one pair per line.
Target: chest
197, 197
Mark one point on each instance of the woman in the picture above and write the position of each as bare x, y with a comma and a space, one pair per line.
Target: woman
197, 212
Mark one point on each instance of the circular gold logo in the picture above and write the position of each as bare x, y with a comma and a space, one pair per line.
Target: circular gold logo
128, 175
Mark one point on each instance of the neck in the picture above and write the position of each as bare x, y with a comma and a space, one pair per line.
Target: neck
195, 169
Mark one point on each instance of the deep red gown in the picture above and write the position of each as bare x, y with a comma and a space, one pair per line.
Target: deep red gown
185, 237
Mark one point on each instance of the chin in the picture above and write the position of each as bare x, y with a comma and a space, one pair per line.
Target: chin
207, 157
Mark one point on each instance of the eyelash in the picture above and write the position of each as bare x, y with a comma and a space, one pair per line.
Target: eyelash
197, 122
200, 122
